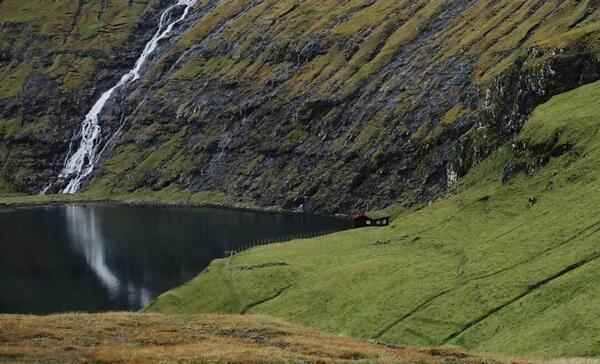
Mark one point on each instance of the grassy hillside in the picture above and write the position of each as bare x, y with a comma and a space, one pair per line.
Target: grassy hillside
359, 40
150, 338
508, 263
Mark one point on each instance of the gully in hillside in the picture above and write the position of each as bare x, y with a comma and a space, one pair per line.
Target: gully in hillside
81, 163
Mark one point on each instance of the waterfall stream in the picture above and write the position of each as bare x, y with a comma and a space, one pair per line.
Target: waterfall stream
82, 162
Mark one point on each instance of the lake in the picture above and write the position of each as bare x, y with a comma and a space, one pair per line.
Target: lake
94, 258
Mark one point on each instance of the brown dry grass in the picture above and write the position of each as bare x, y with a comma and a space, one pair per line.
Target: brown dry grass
156, 338
573, 361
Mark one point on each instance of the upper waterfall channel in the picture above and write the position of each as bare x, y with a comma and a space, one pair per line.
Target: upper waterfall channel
81, 163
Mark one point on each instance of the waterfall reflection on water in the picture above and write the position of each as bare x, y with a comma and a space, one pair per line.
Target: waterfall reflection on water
103, 257
84, 228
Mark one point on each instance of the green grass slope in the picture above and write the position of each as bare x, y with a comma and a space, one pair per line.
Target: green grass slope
481, 269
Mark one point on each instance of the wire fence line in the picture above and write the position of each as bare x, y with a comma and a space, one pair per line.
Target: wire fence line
278, 240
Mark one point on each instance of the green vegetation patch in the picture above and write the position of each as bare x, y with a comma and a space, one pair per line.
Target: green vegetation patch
84, 24
5, 187
496, 267
12, 80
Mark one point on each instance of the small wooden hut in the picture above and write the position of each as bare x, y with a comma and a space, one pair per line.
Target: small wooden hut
363, 221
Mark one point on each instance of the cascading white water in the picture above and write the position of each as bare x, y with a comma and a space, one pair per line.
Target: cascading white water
83, 161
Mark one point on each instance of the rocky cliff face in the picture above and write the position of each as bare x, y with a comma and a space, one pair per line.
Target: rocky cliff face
56, 57
351, 104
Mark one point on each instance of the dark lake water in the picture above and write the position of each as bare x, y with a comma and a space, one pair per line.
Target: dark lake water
107, 257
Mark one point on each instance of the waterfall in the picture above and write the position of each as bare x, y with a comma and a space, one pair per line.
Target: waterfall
82, 162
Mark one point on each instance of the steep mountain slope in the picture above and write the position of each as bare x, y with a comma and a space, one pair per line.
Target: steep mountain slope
350, 103
509, 263
56, 57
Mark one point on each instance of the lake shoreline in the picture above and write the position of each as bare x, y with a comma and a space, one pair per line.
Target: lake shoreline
34, 201
122, 256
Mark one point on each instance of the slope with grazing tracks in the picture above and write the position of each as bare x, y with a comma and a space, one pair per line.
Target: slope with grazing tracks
508, 263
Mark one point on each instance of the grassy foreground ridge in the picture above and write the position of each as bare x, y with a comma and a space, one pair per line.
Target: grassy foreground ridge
144, 338
483, 269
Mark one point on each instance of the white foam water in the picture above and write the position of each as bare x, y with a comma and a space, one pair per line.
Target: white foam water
82, 162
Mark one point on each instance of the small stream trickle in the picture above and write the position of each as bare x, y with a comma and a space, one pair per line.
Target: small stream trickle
80, 164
